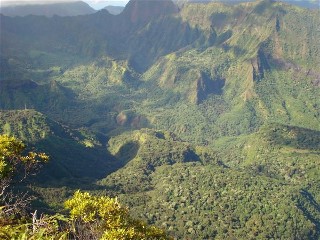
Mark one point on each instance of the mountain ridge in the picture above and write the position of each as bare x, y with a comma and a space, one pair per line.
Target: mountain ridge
49, 9
165, 60
204, 120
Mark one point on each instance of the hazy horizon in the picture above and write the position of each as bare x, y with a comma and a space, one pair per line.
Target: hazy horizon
96, 4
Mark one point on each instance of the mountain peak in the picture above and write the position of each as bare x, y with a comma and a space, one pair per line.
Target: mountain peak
141, 11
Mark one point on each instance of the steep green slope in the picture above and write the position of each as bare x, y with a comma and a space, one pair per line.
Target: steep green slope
211, 112
143, 151
211, 70
120, 37
265, 185
245, 80
73, 153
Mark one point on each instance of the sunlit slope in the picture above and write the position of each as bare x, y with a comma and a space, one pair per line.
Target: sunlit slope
261, 185
207, 116
206, 71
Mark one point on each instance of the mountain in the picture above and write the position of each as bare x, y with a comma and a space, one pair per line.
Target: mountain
115, 10
201, 193
71, 8
311, 4
203, 118
143, 11
74, 153
306, 4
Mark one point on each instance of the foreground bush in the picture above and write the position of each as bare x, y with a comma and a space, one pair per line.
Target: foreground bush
90, 217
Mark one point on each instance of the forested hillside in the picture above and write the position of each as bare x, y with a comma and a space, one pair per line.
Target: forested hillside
203, 118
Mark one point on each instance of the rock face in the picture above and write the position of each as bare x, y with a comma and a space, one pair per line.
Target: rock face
203, 86
131, 119
260, 65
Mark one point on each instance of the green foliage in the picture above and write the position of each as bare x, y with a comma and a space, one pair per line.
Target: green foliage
76, 153
148, 149
230, 94
15, 166
260, 185
11, 158
97, 217
107, 219
90, 217
250, 44
27, 125
46, 227
194, 201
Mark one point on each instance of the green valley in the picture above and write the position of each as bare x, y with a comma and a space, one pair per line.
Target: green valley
203, 118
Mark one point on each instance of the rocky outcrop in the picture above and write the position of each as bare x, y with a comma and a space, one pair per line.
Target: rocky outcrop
203, 86
260, 65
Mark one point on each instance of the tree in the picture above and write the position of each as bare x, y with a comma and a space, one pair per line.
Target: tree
91, 217
104, 218
15, 166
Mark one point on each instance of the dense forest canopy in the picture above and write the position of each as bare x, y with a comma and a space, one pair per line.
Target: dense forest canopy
202, 118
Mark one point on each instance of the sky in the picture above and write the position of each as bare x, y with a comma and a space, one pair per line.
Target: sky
96, 4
